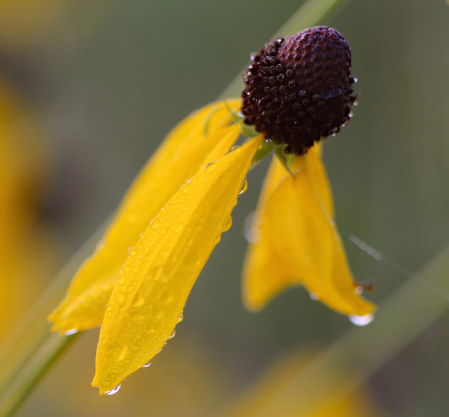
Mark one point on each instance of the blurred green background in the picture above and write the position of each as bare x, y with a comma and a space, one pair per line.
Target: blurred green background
108, 79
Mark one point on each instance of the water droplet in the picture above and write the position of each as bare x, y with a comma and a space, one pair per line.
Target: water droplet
227, 224
313, 296
334, 134
253, 235
234, 148
147, 365
361, 320
172, 335
350, 115
113, 390
71, 331
131, 251
180, 318
359, 289
217, 239
244, 187
209, 165
355, 79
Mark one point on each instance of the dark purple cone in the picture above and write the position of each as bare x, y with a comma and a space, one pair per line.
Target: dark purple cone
298, 90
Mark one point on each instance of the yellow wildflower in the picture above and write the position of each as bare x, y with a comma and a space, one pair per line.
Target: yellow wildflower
173, 216
284, 390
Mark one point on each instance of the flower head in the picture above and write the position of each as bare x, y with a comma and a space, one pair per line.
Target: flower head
298, 89
139, 278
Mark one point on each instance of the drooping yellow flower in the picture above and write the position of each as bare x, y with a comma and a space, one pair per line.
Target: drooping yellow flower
138, 280
283, 390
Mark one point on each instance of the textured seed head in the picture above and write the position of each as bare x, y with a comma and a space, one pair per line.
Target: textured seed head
298, 90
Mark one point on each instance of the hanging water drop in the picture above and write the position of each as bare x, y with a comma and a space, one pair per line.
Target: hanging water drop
244, 187
147, 365
180, 318
361, 320
313, 296
113, 390
71, 331
172, 335
359, 290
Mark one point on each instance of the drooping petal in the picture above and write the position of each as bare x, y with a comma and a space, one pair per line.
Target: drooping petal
185, 150
266, 271
296, 225
318, 179
158, 275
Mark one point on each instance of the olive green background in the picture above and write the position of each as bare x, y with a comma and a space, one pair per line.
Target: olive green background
112, 78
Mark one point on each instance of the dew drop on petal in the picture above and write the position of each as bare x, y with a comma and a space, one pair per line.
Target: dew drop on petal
313, 296
227, 224
172, 335
71, 331
361, 320
147, 365
244, 187
209, 166
180, 318
113, 390
235, 147
217, 239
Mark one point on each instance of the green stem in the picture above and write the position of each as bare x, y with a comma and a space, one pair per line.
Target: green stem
22, 361
25, 344
29, 376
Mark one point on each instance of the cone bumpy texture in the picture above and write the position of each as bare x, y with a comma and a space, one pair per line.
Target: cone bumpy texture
298, 89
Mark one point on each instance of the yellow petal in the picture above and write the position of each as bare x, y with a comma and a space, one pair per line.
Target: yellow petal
181, 155
304, 232
318, 179
157, 277
266, 272
297, 229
